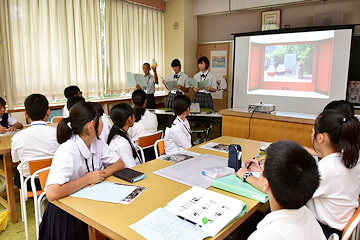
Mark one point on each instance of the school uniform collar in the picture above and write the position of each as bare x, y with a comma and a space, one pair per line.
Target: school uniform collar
205, 73
84, 150
282, 214
333, 155
33, 123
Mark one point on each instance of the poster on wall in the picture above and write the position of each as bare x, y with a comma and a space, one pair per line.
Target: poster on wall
218, 66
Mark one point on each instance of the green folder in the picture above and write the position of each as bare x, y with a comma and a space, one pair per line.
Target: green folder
193, 82
203, 84
235, 185
171, 85
140, 79
131, 79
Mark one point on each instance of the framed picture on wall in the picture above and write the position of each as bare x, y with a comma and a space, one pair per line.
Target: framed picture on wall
270, 20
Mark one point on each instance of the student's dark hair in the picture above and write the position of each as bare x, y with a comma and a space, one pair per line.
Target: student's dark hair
147, 64
179, 105
80, 114
36, 106
72, 100
205, 60
175, 63
119, 114
138, 98
71, 91
341, 106
343, 130
2, 102
98, 108
292, 174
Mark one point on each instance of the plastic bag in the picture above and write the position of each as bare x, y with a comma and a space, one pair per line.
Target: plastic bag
3, 219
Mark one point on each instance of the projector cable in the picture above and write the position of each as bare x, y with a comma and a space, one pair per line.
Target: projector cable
250, 120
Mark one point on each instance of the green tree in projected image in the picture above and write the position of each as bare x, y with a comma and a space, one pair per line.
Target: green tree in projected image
304, 54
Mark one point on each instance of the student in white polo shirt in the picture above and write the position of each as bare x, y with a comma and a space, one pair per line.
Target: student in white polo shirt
177, 132
289, 176
37, 141
145, 121
150, 85
78, 163
182, 84
335, 140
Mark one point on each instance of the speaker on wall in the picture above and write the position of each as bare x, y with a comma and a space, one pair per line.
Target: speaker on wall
328, 18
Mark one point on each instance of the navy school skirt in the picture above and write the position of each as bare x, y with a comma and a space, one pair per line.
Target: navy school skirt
170, 98
205, 100
60, 225
151, 101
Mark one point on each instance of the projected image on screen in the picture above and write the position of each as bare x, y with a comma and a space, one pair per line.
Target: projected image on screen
291, 66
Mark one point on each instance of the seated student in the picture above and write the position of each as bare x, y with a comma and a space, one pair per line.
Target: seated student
177, 132
289, 176
77, 163
37, 141
69, 92
181, 79
7, 123
107, 124
150, 85
145, 121
123, 118
203, 96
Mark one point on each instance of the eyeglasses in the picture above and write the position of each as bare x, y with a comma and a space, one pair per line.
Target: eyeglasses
261, 164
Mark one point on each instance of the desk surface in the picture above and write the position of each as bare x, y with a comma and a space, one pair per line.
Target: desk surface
278, 115
113, 220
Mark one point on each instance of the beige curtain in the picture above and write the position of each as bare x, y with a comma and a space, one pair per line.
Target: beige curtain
52, 44
134, 35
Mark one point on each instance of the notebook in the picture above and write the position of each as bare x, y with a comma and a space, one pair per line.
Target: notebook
234, 184
130, 175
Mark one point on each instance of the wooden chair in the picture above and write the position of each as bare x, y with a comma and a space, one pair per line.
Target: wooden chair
42, 174
147, 141
159, 148
351, 230
56, 119
34, 165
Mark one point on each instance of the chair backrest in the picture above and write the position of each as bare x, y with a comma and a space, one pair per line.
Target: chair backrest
159, 147
56, 119
149, 140
42, 178
39, 164
352, 224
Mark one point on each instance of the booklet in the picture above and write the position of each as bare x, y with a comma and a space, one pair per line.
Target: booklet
216, 147
134, 79
171, 85
179, 157
201, 84
131, 197
195, 214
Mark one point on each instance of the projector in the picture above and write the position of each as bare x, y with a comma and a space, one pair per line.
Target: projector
261, 107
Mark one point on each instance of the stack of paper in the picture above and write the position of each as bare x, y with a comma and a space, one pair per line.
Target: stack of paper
195, 214
179, 157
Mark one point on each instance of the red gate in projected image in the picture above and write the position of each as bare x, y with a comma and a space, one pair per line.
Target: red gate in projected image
264, 73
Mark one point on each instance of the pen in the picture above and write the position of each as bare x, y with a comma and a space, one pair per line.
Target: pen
249, 165
187, 220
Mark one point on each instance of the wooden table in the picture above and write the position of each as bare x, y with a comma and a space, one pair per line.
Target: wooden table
113, 220
7, 173
268, 127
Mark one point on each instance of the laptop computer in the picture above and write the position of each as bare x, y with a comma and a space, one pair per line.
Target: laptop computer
195, 108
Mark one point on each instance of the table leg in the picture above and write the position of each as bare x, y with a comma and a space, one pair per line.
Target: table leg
10, 187
95, 234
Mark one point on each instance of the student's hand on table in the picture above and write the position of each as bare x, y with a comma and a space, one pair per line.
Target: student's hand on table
254, 165
11, 129
138, 86
96, 177
196, 89
240, 173
2, 129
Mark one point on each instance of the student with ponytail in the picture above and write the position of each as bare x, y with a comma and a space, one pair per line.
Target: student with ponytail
123, 118
335, 140
145, 121
81, 160
177, 132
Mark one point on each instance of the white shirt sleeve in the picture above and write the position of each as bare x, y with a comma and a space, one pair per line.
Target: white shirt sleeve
14, 154
108, 156
11, 120
213, 83
181, 138
62, 168
186, 81
125, 153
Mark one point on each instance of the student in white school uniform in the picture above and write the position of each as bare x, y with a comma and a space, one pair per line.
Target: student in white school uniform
289, 176
150, 85
145, 121
181, 79
177, 132
78, 162
7, 123
123, 118
37, 141
105, 119
69, 92
203, 96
